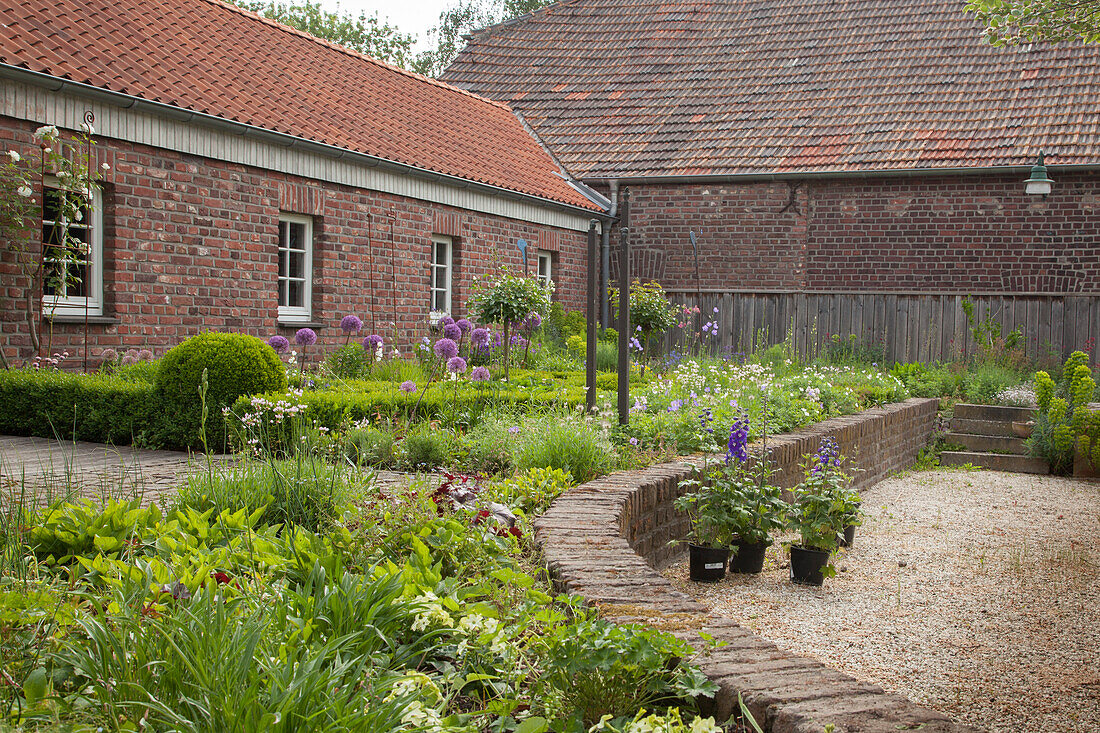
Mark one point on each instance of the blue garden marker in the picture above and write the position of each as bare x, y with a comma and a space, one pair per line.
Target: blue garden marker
522, 244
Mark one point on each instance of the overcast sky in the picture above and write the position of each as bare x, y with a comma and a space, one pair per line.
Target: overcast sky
414, 17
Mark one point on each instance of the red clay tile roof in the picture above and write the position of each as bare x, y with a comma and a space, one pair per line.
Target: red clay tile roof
620, 88
209, 57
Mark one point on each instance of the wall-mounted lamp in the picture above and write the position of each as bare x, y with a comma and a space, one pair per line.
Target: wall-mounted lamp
1038, 184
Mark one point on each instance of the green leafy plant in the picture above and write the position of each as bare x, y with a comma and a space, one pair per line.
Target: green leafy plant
236, 365
370, 447
569, 445
1064, 423
426, 448
825, 504
508, 299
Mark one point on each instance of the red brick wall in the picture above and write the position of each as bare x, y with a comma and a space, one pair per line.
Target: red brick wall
959, 234
191, 245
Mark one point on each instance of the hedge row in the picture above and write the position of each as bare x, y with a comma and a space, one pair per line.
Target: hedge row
364, 400
92, 407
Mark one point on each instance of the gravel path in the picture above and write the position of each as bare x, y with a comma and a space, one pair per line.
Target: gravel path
974, 593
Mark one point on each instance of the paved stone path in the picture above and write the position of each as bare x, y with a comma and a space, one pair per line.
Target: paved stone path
52, 468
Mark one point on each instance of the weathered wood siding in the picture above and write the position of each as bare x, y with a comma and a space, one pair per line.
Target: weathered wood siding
908, 326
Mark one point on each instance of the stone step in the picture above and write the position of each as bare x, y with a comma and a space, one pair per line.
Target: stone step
993, 412
988, 443
995, 461
981, 427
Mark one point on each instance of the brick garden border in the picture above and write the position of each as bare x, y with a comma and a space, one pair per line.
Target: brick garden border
605, 539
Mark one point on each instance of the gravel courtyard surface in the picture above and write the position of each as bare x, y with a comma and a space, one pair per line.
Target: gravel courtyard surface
974, 593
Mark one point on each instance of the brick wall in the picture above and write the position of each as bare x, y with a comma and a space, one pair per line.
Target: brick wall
603, 539
191, 245
956, 234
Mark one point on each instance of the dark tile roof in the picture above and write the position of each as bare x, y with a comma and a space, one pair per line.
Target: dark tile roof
210, 57
620, 88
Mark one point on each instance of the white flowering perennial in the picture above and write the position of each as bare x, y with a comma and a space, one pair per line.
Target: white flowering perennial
434, 616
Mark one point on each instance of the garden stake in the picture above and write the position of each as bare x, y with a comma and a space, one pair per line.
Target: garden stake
89, 118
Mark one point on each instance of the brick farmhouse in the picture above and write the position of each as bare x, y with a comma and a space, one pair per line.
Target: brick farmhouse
847, 166
261, 180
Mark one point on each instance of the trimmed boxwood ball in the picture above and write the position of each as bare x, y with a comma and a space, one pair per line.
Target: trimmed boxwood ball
236, 365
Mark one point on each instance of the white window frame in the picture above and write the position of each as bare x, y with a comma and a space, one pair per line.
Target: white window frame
447, 265
548, 258
92, 303
304, 312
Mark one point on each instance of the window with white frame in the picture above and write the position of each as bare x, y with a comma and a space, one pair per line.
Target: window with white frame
546, 267
442, 260
72, 251
295, 268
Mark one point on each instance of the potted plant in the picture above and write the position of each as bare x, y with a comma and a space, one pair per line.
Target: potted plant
754, 508
709, 537
824, 508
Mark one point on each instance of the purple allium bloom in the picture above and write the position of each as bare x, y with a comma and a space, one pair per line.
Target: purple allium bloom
445, 348
408, 386
464, 325
132, 353
480, 336
479, 374
456, 365
446, 321
279, 343
145, 355
533, 321
452, 331
372, 342
305, 337
127, 360
351, 324
108, 355
518, 341
737, 448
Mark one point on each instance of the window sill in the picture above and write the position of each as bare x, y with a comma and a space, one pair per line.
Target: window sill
79, 318
315, 325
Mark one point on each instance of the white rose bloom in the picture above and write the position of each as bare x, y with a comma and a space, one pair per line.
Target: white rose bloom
24, 191
15, 158
106, 166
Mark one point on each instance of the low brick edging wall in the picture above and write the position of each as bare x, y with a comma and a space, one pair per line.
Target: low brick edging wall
604, 540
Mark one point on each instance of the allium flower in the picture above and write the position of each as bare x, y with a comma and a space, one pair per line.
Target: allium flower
464, 325
532, 321
479, 374
452, 331
408, 386
479, 337
127, 360
456, 365
145, 355
518, 341
108, 355
279, 343
446, 321
445, 348
737, 448
351, 324
133, 354
305, 337
372, 342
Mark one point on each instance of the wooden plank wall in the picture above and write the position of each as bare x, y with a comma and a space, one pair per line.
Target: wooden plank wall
908, 327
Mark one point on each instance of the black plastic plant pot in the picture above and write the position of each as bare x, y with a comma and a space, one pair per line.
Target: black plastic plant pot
807, 565
849, 536
748, 557
707, 564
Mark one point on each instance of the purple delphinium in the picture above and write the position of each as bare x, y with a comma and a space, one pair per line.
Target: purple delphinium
445, 348
351, 324
456, 365
408, 386
305, 337
479, 337
479, 374
279, 343
828, 454
452, 331
464, 325
737, 448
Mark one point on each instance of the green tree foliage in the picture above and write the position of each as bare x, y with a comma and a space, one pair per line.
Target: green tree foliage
363, 33
1024, 21
463, 18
